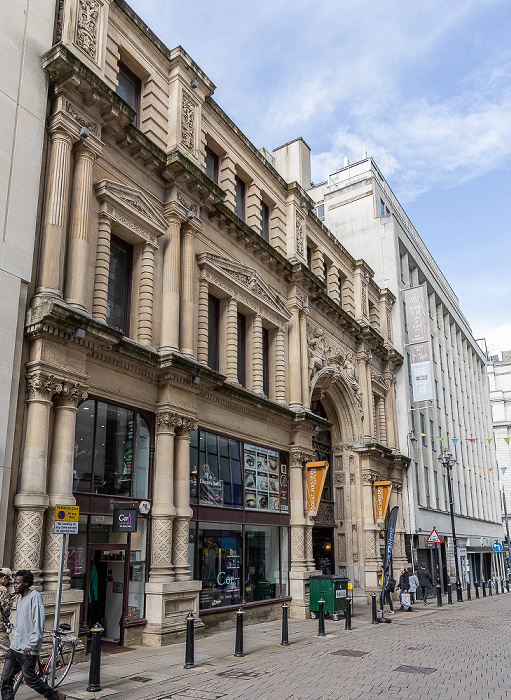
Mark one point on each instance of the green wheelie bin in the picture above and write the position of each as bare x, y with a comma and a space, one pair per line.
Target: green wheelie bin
334, 591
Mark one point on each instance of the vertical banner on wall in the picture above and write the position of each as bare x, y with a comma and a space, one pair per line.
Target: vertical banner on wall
382, 490
315, 480
418, 343
389, 543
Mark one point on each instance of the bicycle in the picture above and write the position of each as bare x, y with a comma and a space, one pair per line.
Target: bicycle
66, 645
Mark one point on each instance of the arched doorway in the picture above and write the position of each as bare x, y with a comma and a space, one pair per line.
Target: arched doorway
323, 531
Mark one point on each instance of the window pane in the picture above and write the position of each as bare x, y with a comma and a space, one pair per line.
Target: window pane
265, 221
136, 585
213, 332
211, 165
194, 464
220, 549
142, 445
127, 89
262, 562
117, 313
239, 208
84, 441
114, 450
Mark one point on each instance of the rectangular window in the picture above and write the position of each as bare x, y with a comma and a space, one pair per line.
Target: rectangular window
242, 349
432, 436
401, 268
409, 363
437, 496
266, 361
423, 429
119, 285
213, 332
128, 88
320, 212
417, 484
342, 282
239, 199
426, 485
211, 165
446, 498
265, 221
309, 257
410, 276
382, 207
433, 357
404, 318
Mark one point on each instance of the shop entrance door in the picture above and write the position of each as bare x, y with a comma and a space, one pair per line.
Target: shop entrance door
106, 593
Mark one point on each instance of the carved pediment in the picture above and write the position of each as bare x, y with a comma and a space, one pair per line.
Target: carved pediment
133, 204
245, 279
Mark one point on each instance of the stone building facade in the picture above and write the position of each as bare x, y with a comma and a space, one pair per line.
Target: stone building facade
184, 358
359, 207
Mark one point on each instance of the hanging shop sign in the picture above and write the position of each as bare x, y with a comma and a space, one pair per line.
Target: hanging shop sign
125, 520
315, 480
382, 490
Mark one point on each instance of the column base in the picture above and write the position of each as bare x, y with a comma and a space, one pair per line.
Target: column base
167, 605
299, 588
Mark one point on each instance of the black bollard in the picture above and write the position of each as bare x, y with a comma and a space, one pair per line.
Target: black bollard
374, 620
285, 636
476, 586
489, 588
239, 632
449, 594
469, 592
189, 648
507, 585
497, 586
321, 618
439, 596
483, 586
347, 625
95, 659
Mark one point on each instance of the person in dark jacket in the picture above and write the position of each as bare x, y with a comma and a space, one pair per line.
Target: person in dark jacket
403, 585
425, 581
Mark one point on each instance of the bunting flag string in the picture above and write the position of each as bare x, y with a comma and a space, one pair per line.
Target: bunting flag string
507, 440
472, 440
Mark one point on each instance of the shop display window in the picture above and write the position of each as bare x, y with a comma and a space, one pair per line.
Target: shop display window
262, 562
137, 573
220, 564
112, 447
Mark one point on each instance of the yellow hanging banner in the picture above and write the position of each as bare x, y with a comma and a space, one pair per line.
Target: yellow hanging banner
382, 490
315, 480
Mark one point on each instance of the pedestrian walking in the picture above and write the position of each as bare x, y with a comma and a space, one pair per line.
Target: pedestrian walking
27, 641
403, 585
425, 581
5, 610
414, 582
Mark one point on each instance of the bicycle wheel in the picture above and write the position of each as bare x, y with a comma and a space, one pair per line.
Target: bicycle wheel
18, 680
65, 654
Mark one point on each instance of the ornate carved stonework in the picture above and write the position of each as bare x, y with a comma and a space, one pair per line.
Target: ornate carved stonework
87, 26
187, 123
297, 543
59, 21
162, 541
167, 421
41, 386
325, 514
364, 300
28, 540
371, 544
187, 425
117, 215
297, 458
181, 529
369, 477
71, 393
299, 236
189, 206
397, 485
339, 478
81, 118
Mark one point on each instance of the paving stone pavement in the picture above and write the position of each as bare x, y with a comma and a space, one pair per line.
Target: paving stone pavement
459, 651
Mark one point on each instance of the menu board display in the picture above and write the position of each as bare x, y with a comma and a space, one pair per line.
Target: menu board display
262, 480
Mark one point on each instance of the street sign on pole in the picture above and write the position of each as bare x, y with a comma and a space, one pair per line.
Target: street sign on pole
497, 546
434, 538
66, 520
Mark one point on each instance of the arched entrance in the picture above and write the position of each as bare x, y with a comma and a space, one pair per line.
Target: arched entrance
323, 547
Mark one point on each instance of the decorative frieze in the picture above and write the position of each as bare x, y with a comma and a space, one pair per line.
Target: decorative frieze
299, 237
79, 117
119, 216
187, 123
87, 24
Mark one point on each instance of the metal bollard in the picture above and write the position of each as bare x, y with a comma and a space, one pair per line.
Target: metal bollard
374, 620
189, 648
285, 636
95, 659
476, 586
238, 651
469, 592
321, 618
347, 625
497, 586
439, 596
483, 586
449, 594
489, 588
507, 585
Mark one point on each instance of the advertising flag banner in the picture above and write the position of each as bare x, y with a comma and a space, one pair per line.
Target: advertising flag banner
418, 343
389, 543
382, 491
315, 480
416, 319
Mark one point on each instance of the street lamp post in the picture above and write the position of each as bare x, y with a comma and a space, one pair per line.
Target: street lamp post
448, 461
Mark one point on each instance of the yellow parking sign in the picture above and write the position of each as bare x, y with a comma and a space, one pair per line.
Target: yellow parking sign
67, 514
350, 586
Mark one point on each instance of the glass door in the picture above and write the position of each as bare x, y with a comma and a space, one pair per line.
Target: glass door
107, 590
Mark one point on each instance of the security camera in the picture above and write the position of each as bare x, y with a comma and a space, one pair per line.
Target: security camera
194, 84
84, 132
190, 214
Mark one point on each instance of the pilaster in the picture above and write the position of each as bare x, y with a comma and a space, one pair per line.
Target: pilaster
231, 349
203, 322
186, 316
280, 367
257, 350
182, 500
254, 207
170, 314
294, 357
100, 299
146, 296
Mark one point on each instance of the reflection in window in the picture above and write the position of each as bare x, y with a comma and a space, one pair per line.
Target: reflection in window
112, 447
220, 565
128, 87
215, 470
119, 285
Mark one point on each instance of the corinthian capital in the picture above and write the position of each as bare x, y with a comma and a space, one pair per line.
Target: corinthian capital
298, 457
188, 424
41, 386
166, 421
70, 393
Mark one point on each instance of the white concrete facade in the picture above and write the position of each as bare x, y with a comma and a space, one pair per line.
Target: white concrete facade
359, 207
26, 30
499, 376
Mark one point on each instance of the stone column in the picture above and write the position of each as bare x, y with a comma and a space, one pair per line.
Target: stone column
162, 570
146, 295
79, 223
60, 477
171, 287
310, 564
257, 350
390, 412
186, 324
304, 360
182, 501
231, 345
55, 216
32, 500
203, 324
280, 367
294, 351
99, 305
296, 478
367, 398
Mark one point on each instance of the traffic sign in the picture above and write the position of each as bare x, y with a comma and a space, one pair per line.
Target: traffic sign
497, 546
434, 538
66, 520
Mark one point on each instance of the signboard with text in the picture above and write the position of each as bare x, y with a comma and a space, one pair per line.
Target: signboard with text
418, 343
66, 520
125, 520
315, 480
382, 491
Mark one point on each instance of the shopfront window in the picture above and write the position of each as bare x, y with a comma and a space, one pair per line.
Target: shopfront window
112, 449
137, 572
220, 562
262, 565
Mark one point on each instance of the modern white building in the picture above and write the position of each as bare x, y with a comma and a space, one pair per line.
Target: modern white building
358, 206
26, 30
499, 376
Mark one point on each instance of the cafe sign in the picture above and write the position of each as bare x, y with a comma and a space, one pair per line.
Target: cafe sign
382, 490
315, 480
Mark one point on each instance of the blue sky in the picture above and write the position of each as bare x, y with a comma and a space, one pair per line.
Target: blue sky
425, 89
